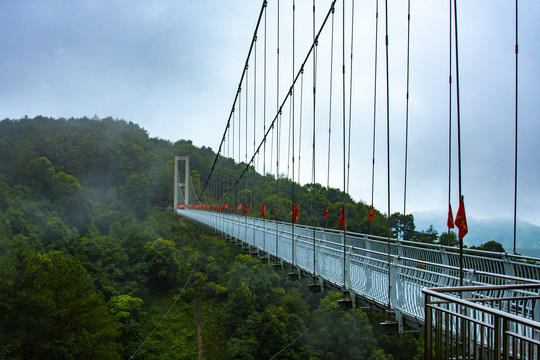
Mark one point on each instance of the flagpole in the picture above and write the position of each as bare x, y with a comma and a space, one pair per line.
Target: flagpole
459, 140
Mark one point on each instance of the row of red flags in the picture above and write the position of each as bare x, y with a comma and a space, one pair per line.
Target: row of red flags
296, 211
460, 222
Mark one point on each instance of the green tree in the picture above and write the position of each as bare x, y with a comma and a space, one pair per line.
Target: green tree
402, 225
40, 176
342, 334
56, 234
128, 312
273, 330
428, 236
65, 185
448, 239
196, 181
160, 266
15, 222
49, 310
137, 194
492, 245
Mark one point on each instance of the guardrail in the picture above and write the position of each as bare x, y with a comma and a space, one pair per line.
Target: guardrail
483, 322
386, 272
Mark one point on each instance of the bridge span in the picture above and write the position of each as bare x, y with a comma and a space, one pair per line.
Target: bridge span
388, 274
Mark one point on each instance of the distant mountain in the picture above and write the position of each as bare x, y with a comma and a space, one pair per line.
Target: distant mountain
483, 230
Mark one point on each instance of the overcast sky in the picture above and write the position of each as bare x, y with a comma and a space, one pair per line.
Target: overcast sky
173, 67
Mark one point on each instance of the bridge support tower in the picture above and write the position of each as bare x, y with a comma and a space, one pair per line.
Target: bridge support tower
184, 185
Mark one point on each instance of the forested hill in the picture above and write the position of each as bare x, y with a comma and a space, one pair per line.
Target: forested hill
106, 160
108, 165
88, 268
98, 158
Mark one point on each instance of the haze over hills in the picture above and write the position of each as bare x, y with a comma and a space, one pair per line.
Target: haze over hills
483, 230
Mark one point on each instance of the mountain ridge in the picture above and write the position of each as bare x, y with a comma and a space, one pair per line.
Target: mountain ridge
483, 230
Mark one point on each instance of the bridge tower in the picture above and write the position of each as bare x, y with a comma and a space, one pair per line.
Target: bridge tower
183, 185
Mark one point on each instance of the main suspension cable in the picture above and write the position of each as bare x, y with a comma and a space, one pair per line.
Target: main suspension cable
263, 8
286, 98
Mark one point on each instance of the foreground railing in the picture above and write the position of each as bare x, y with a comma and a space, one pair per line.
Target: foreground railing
483, 322
385, 272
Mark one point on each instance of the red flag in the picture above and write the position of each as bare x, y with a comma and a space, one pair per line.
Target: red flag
277, 208
233, 207
245, 209
222, 208
461, 220
341, 217
240, 206
295, 214
263, 210
326, 212
250, 209
450, 221
371, 214
227, 206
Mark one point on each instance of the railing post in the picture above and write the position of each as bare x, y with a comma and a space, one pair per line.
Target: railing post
294, 249
348, 267
505, 344
445, 261
428, 323
508, 266
497, 338
317, 256
394, 268
468, 281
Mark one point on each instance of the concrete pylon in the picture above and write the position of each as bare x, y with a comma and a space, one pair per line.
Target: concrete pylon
183, 186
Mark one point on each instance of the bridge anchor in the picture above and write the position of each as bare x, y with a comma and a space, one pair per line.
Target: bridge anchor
393, 326
293, 275
345, 303
389, 327
314, 287
263, 257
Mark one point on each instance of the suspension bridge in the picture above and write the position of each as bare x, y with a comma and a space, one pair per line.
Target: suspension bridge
471, 303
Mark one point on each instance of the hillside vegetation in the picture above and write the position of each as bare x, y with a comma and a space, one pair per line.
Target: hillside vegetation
88, 268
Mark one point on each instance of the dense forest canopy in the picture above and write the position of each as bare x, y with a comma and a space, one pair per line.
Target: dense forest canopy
88, 267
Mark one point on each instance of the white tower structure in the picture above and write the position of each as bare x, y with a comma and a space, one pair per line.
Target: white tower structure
182, 186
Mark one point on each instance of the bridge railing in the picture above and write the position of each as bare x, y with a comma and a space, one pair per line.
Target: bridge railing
386, 272
483, 322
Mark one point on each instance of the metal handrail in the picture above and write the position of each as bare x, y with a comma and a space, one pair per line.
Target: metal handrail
412, 266
440, 293
461, 327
